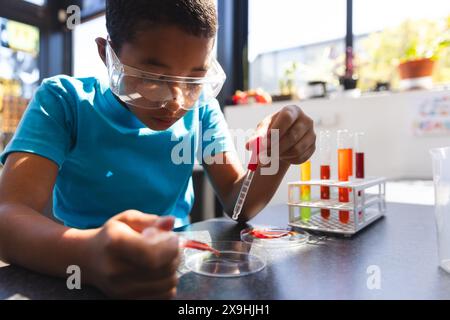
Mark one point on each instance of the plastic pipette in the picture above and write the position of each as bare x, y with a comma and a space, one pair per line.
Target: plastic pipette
197, 245
251, 168
187, 243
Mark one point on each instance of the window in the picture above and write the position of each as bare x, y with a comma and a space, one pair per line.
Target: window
387, 32
376, 15
19, 73
37, 2
92, 7
86, 61
19, 55
309, 33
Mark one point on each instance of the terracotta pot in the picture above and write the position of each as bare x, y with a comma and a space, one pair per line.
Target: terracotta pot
416, 68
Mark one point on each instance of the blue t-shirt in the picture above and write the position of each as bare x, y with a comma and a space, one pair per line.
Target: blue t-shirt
108, 160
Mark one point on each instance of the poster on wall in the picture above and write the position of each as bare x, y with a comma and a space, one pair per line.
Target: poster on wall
432, 116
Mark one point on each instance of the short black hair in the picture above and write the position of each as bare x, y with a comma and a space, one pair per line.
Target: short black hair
124, 18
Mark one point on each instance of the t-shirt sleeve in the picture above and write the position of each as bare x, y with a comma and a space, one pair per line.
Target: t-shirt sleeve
216, 137
46, 126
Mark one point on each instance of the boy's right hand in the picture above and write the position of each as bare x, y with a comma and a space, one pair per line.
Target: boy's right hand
126, 264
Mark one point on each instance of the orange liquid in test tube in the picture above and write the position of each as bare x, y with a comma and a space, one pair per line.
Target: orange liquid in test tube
343, 173
345, 155
350, 160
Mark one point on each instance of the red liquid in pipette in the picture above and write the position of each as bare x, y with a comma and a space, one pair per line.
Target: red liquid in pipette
325, 191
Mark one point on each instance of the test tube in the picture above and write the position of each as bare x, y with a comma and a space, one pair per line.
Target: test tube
359, 155
359, 159
305, 191
350, 154
325, 167
344, 167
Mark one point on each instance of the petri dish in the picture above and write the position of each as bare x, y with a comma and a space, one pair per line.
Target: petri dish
274, 237
236, 259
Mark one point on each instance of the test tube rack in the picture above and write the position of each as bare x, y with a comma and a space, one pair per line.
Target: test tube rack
364, 208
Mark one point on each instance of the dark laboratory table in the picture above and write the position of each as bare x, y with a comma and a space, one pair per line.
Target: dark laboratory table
402, 247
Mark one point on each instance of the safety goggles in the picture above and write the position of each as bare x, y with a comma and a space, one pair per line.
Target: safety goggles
153, 91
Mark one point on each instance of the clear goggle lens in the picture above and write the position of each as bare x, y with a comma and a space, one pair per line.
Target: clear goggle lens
152, 91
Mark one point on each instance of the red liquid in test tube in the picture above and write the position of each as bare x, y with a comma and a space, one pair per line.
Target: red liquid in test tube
359, 165
359, 159
325, 191
325, 169
359, 155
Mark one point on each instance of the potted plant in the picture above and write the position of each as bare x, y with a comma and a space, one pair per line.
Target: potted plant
287, 84
407, 54
422, 46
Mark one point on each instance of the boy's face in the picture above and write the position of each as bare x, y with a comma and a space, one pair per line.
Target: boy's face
166, 50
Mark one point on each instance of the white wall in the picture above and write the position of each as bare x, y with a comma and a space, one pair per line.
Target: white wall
392, 150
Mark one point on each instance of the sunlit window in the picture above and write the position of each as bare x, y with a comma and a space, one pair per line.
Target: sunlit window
286, 37
37, 2
19, 73
86, 61
388, 33
19, 55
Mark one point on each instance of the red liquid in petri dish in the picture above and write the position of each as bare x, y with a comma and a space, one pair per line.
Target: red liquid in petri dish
269, 234
325, 191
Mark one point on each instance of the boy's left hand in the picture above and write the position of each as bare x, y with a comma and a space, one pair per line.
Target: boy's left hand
297, 140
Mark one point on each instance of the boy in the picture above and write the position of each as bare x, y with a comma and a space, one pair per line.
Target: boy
106, 153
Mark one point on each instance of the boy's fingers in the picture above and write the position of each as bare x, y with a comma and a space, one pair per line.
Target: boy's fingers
164, 248
137, 274
137, 220
152, 252
261, 131
298, 132
158, 289
163, 296
299, 159
285, 119
165, 223
281, 121
142, 274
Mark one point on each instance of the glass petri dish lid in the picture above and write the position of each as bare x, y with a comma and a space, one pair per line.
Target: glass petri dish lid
274, 237
235, 259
